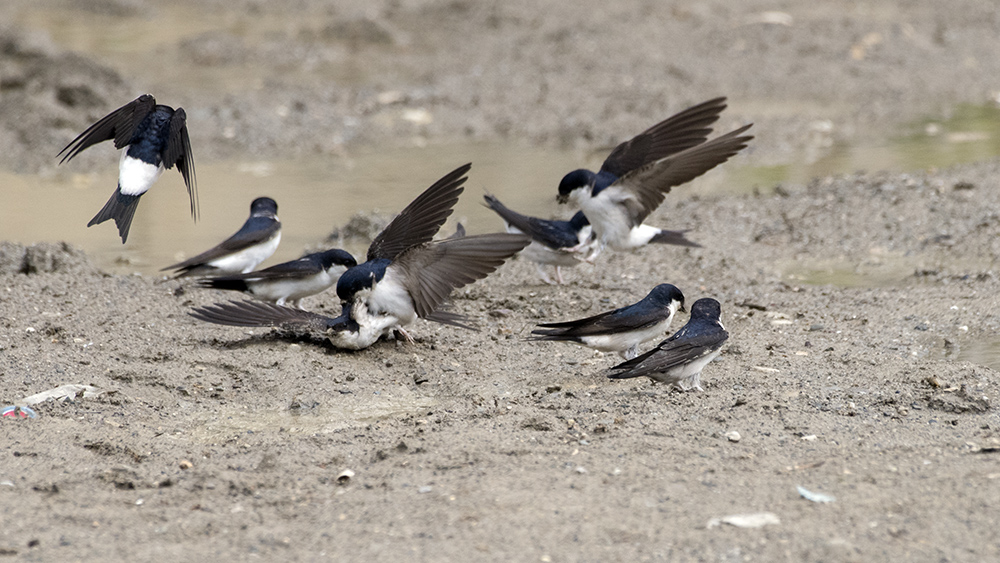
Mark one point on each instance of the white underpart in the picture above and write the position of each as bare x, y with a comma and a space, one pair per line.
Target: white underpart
246, 260
641, 235
293, 291
688, 376
389, 296
627, 343
607, 216
371, 328
135, 177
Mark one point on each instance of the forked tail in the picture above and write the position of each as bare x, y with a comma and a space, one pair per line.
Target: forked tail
121, 208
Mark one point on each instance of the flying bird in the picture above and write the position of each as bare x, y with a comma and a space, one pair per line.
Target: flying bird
157, 138
621, 330
553, 243
255, 242
637, 175
678, 360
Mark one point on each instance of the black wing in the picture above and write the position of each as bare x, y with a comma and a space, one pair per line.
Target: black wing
294, 269
178, 152
670, 136
422, 218
254, 231
643, 190
553, 234
118, 125
634, 317
681, 348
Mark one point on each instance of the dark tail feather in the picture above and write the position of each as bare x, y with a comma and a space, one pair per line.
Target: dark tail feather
223, 283
673, 237
121, 208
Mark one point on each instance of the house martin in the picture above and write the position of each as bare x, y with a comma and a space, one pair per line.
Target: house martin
255, 242
553, 243
289, 282
621, 330
408, 275
343, 331
157, 138
637, 175
678, 360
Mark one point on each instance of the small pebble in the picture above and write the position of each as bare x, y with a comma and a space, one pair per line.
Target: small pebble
733, 436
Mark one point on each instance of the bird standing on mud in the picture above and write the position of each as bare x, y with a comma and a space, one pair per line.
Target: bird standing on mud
289, 282
621, 330
678, 360
255, 242
157, 138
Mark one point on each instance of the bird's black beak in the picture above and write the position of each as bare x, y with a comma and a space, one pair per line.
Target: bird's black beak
562, 198
682, 309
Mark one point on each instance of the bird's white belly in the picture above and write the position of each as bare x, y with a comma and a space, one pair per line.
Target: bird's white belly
622, 341
246, 260
135, 177
609, 221
390, 297
687, 376
640, 236
281, 291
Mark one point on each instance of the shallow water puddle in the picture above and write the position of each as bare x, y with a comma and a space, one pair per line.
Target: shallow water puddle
359, 410
971, 134
314, 196
982, 352
842, 273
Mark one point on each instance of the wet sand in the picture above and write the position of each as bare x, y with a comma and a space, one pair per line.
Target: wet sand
862, 307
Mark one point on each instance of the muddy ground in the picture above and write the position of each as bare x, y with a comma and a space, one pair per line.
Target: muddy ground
210, 441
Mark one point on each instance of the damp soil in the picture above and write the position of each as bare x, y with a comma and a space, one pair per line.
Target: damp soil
862, 306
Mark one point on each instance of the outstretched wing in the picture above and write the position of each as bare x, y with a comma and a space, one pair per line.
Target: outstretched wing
422, 218
118, 125
431, 271
260, 314
642, 190
670, 136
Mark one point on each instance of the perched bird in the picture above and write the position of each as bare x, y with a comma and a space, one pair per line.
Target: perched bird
255, 242
407, 275
289, 282
621, 330
343, 331
638, 174
157, 138
553, 243
678, 360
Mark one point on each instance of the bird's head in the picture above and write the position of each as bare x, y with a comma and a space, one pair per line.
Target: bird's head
576, 180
